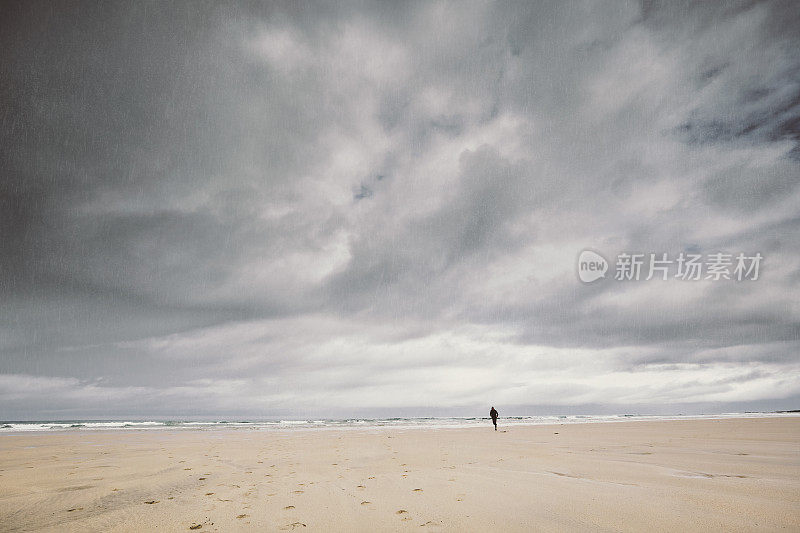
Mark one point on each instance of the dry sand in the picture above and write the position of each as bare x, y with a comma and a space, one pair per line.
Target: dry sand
691, 475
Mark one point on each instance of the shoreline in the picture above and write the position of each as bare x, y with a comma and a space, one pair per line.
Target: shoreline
77, 426
730, 474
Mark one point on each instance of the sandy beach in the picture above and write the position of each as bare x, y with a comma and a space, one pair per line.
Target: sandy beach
694, 475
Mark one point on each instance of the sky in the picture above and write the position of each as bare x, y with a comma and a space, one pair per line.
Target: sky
376, 209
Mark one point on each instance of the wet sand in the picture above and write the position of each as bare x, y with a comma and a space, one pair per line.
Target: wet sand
689, 475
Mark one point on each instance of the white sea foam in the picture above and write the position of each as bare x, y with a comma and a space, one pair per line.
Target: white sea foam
350, 423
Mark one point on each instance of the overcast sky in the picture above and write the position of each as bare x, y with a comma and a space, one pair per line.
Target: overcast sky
377, 208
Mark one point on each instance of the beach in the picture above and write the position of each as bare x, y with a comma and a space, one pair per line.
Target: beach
736, 474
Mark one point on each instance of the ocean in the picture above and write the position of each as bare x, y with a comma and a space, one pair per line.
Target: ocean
10, 427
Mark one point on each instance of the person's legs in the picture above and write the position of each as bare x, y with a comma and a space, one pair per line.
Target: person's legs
494, 421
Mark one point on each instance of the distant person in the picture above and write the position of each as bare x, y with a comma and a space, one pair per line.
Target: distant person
493, 414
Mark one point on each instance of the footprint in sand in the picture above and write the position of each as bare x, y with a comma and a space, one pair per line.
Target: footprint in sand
361, 487
293, 525
195, 526
243, 516
298, 491
417, 490
201, 479
289, 507
401, 511
209, 493
151, 502
75, 509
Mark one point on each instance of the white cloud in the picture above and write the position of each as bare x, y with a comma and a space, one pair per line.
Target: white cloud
383, 207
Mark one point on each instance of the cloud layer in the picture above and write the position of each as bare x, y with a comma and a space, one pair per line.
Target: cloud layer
291, 208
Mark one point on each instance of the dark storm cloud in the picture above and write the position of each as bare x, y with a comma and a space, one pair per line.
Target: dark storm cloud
325, 205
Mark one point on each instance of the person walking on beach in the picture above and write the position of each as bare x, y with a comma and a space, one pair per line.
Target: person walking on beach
493, 414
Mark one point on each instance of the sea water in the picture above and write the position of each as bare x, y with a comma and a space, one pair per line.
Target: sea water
345, 423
